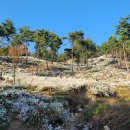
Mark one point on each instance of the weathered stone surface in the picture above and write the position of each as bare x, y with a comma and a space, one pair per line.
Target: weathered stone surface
101, 79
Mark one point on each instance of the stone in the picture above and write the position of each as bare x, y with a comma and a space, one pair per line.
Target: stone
79, 126
70, 126
106, 127
86, 128
80, 109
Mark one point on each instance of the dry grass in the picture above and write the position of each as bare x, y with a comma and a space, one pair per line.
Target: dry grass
116, 115
90, 96
112, 101
123, 93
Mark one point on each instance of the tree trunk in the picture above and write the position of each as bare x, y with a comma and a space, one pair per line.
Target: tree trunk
38, 57
125, 58
14, 71
37, 70
120, 59
8, 42
26, 60
78, 66
52, 60
47, 61
72, 56
1, 72
91, 62
47, 64
117, 58
86, 61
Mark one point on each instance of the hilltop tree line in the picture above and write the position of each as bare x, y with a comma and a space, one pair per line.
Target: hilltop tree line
48, 43
118, 45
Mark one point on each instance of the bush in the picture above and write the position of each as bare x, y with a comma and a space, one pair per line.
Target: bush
34, 110
2, 51
34, 117
42, 117
4, 118
61, 58
93, 109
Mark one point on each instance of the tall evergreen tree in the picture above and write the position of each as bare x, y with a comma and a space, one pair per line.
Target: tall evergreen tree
123, 32
55, 43
7, 30
26, 36
74, 37
41, 38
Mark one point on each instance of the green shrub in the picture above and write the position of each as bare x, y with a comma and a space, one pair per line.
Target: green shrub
4, 118
93, 110
34, 117
39, 116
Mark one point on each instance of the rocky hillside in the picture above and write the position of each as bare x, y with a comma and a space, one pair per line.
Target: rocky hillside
61, 100
103, 77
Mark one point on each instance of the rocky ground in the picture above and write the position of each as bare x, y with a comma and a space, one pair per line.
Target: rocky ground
59, 99
102, 77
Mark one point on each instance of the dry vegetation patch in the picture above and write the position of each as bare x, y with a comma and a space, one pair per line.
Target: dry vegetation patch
113, 112
123, 93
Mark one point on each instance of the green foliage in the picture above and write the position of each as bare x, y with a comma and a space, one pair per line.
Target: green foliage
123, 32
41, 38
111, 45
2, 51
34, 117
126, 126
67, 52
123, 29
73, 36
82, 48
16, 39
54, 116
4, 118
47, 44
61, 57
7, 30
26, 35
54, 45
88, 48
119, 45
94, 109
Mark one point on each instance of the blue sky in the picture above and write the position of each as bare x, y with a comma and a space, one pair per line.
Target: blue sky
96, 18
